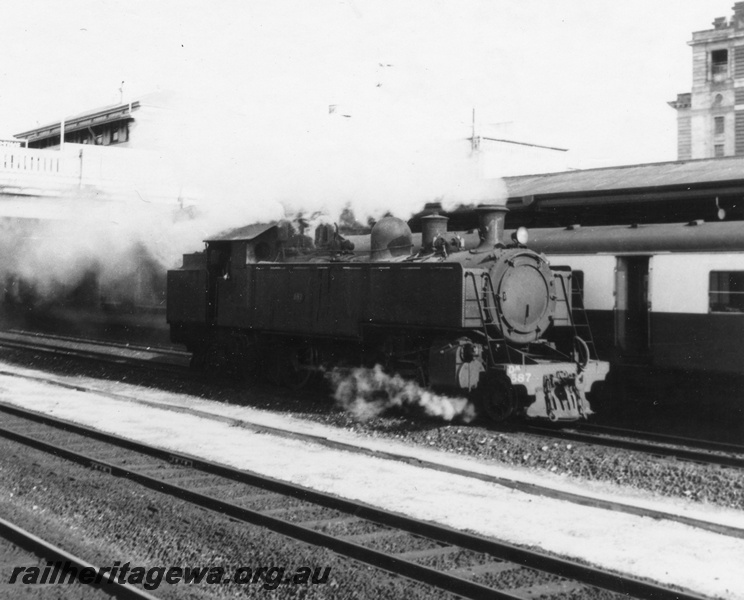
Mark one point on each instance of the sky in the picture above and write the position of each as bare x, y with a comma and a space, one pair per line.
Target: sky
590, 75
405, 76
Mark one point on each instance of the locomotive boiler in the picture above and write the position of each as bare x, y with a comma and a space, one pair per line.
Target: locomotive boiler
494, 321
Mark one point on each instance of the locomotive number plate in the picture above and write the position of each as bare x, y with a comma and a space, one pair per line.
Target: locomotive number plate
516, 375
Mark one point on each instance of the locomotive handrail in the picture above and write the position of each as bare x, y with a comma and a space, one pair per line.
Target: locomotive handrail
482, 313
483, 307
489, 283
582, 348
483, 320
569, 310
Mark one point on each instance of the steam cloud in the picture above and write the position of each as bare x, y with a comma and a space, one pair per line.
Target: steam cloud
368, 393
211, 165
350, 108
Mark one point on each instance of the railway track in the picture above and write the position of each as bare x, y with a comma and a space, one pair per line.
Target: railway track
94, 342
20, 548
164, 359
465, 564
529, 488
695, 450
167, 359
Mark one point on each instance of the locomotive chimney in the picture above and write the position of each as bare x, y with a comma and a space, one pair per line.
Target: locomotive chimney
490, 226
431, 227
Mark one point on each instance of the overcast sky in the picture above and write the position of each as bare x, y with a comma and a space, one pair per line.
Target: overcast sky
593, 76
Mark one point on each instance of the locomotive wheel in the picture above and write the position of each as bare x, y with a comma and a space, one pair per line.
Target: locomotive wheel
215, 359
497, 398
300, 362
207, 359
198, 360
240, 359
597, 397
291, 365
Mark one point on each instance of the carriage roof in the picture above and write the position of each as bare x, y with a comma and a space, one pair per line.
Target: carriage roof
696, 236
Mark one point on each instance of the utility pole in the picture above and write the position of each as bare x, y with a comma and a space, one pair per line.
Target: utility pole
474, 140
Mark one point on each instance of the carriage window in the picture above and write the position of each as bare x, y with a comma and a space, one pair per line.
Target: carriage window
726, 291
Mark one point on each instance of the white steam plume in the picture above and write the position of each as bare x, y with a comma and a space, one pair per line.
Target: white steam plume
368, 393
378, 155
229, 165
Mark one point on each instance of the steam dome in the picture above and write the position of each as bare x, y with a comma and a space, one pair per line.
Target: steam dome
390, 237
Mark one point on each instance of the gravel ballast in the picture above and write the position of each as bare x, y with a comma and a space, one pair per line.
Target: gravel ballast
104, 519
582, 462
647, 548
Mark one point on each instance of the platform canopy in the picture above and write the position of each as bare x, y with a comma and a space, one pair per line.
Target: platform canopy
668, 192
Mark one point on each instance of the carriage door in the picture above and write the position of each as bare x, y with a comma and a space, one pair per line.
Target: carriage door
631, 306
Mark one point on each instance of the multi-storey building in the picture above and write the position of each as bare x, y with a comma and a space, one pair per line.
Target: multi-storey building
710, 118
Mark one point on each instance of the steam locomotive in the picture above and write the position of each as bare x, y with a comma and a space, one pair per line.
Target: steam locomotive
494, 322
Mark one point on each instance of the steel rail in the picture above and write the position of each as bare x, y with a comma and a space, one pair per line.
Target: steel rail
698, 456
375, 558
522, 486
32, 543
588, 575
93, 342
662, 438
91, 355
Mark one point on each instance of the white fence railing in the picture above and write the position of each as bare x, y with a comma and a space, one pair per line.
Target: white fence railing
114, 173
25, 160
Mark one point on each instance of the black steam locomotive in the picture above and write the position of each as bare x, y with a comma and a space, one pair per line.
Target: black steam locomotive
494, 322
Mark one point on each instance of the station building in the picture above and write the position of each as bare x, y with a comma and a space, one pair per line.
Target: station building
710, 118
106, 126
79, 194
108, 153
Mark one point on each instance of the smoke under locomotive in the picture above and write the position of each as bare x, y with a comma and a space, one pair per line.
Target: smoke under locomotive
494, 322
125, 306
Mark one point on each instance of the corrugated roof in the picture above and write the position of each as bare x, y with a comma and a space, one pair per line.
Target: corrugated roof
632, 177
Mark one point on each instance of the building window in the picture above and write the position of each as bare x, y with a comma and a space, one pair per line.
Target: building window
718, 151
726, 291
120, 133
719, 125
719, 65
